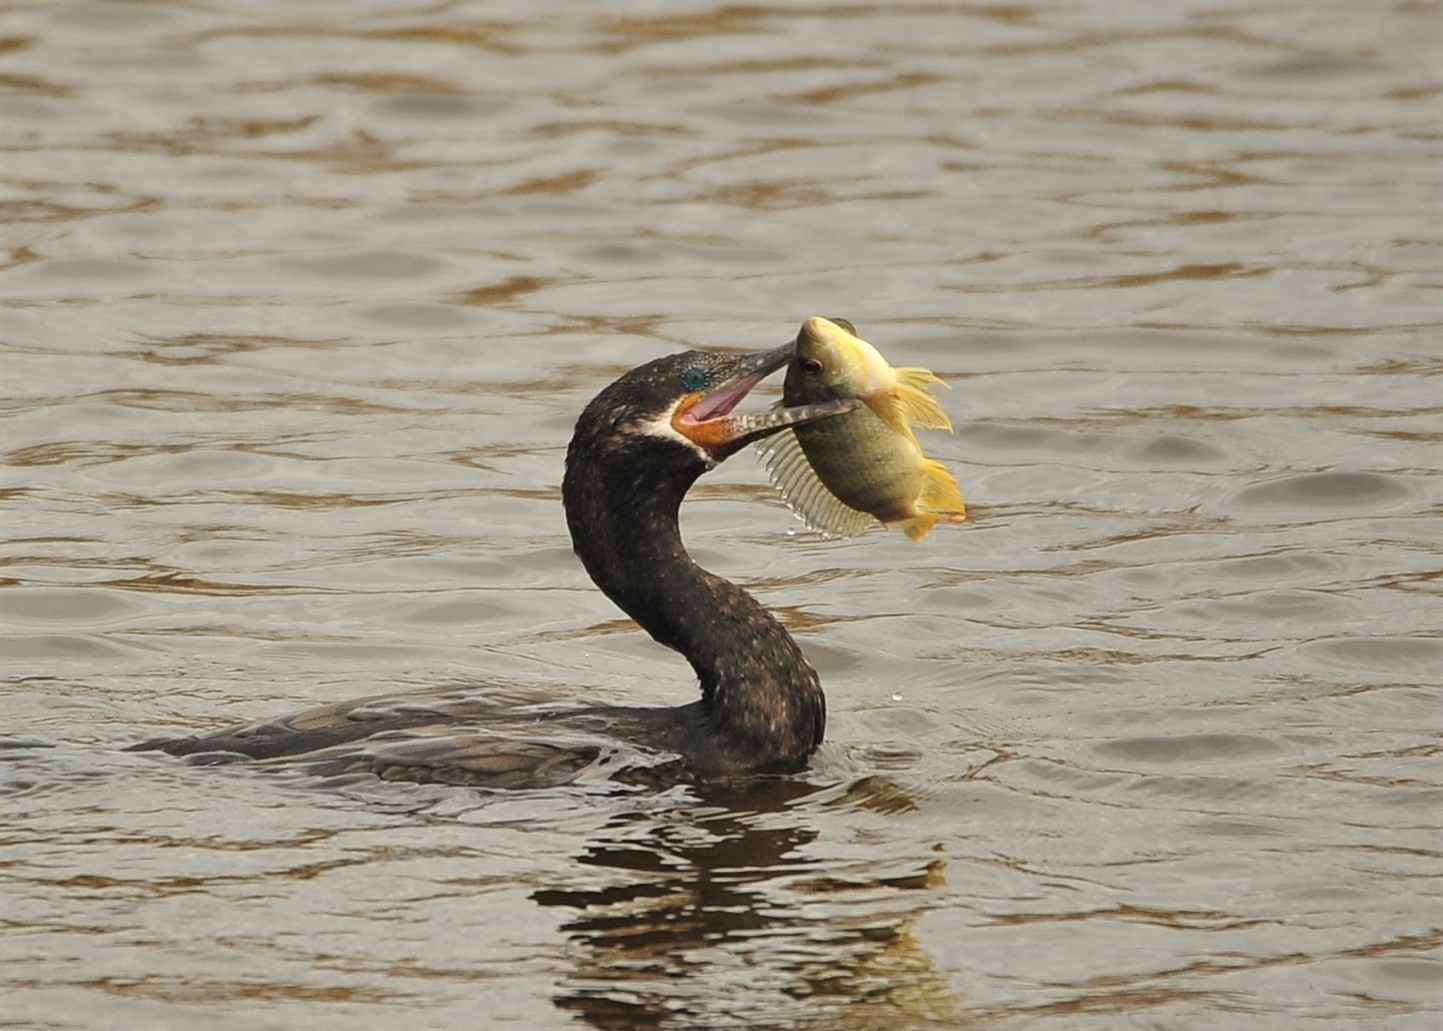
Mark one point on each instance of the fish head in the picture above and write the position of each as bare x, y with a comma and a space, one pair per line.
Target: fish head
833, 362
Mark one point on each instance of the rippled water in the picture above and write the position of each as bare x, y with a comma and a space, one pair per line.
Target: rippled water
300, 302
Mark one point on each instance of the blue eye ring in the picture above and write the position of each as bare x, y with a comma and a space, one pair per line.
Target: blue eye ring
696, 378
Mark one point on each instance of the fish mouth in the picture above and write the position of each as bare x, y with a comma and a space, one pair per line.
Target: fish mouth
707, 421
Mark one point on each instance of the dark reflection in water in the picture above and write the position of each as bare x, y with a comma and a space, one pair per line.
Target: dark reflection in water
719, 918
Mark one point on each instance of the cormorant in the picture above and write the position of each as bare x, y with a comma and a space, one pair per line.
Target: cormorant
637, 449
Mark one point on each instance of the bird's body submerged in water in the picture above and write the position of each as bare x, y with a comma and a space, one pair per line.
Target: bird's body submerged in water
637, 449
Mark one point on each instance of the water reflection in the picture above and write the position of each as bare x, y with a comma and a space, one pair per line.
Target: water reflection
721, 915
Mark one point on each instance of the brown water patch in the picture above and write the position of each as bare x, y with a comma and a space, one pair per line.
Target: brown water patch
506, 290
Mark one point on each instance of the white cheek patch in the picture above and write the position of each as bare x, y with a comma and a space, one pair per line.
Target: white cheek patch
660, 426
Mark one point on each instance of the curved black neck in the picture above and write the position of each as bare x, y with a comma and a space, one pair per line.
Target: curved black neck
763, 703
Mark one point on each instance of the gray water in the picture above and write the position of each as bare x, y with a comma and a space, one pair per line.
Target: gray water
300, 302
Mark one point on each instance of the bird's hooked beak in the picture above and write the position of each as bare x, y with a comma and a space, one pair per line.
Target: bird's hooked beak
706, 419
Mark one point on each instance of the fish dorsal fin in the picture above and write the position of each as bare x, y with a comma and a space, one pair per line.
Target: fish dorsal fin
919, 404
805, 494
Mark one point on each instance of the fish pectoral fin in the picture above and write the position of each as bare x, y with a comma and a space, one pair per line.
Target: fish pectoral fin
940, 493
919, 404
804, 492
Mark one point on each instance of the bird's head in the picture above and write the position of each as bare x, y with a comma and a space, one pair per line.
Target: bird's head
686, 403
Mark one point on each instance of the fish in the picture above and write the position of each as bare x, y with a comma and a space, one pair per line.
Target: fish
843, 474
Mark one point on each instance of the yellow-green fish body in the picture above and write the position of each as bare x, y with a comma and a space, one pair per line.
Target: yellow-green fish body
842, 474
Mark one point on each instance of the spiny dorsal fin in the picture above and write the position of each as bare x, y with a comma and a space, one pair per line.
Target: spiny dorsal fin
918, 402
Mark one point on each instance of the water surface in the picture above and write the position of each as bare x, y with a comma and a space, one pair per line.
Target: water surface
300, 302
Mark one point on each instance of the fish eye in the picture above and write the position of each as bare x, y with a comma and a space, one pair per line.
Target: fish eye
811, 365
696, 378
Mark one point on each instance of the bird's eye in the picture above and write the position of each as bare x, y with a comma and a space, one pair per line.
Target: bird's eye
696, 378
811, 365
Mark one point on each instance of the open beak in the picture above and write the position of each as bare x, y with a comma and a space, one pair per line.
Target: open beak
707, 420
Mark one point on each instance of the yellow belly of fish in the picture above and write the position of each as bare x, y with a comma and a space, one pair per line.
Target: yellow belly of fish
865, 463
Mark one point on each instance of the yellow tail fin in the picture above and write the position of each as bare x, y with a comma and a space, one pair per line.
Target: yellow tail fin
941, 501
940, 492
